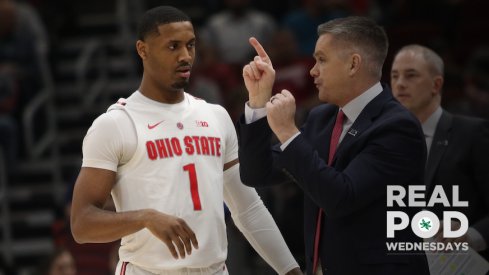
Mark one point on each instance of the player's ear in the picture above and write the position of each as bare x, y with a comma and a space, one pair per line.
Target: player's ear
141, 47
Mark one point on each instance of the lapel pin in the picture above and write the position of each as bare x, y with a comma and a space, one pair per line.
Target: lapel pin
442, 142
352, 132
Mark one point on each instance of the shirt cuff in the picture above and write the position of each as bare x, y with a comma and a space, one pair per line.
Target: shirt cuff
476, 241
286, 143
252, 115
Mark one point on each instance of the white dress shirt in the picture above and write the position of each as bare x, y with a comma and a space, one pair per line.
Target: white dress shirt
429, 127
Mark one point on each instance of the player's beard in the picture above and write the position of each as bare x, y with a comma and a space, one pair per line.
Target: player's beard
181, 84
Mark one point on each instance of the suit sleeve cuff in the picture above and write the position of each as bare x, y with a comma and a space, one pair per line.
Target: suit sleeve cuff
286, 143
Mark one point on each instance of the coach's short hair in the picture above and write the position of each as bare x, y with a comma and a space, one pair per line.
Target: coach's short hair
361, 34
159, 16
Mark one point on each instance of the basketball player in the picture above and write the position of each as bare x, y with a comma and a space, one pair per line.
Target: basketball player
169, 160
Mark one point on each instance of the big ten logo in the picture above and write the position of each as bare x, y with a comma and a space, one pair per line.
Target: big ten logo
201, 123
425, 224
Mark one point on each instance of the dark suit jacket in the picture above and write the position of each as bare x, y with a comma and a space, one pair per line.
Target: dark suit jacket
459, 155
388, 148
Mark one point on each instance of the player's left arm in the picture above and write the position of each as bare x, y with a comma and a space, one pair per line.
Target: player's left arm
247, 209
255, 222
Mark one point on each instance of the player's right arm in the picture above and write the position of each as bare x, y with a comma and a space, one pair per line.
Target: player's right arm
91, 223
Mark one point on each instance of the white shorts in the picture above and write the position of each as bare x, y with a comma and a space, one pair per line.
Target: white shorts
125, 268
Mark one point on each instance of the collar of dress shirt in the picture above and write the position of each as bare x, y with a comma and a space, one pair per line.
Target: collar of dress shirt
429, 126
353, 108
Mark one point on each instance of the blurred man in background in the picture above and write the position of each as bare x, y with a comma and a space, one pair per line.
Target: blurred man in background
458, 146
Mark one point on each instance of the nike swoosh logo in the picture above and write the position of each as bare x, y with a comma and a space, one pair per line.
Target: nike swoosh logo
154, 125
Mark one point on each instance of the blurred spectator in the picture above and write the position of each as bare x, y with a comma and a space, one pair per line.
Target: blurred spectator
477, 84
60, 262
229, 30
411, 16
8, 140
468, 28
90, 259
304, 22
21, 38
214, 80
472, 96
60, 18
8, 126
408, 22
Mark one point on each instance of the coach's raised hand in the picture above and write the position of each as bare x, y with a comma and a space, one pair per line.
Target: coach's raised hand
259, 76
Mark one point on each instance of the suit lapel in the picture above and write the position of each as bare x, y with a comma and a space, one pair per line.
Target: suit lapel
363, 121
438, 146
322, 131
360, 125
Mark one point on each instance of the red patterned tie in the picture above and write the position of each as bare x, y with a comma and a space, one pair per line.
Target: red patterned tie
335, 139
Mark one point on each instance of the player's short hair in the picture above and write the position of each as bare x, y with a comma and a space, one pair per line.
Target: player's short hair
158, 16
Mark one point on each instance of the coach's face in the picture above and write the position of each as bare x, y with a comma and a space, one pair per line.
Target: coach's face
169, 55
331, 71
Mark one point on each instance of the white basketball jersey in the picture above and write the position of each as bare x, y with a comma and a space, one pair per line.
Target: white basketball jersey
176, 169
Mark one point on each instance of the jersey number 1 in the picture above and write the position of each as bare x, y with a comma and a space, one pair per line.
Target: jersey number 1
194, 186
